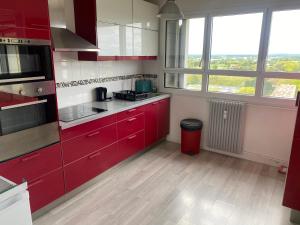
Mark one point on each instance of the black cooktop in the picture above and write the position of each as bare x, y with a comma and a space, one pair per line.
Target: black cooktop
77, 112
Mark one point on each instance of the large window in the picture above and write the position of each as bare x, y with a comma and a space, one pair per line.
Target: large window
254, 54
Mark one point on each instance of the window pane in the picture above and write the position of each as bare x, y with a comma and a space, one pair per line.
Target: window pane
171, 80
183, 81
284, 47
232, 84
193, 82
195, 42
281, 88
235, 42
184, 43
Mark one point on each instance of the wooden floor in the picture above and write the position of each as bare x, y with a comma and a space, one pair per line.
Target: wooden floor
164, 187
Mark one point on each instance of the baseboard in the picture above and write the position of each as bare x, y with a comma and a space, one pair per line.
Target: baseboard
260, 158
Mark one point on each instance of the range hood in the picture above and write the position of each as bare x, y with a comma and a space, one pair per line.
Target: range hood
62, 24
65, 40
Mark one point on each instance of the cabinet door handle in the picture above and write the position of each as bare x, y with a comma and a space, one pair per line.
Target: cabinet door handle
154, 103
93, 134
132, 137
35, 183
95, 155
131, 110
131, 120
29, 158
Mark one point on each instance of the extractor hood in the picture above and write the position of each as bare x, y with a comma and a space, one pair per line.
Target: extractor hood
64, 38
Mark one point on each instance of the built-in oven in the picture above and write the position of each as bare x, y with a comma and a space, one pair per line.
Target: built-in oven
28, 118
25, 60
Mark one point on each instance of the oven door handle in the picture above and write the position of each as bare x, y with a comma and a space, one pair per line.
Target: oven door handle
23, 104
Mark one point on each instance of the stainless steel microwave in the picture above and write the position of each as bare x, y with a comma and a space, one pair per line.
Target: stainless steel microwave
23, 60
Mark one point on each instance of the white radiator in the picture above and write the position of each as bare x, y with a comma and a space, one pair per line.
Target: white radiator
226, 125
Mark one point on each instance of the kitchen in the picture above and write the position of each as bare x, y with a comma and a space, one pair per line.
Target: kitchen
94, 97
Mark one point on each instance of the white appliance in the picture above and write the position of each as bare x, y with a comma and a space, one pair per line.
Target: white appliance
14, 203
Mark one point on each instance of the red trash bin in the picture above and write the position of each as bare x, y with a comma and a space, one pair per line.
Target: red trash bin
191, 136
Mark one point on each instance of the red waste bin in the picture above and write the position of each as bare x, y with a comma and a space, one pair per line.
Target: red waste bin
191, 136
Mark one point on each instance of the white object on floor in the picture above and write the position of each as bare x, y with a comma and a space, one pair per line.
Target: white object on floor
14, 203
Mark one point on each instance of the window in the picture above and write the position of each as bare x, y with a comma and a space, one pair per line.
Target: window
232, 84
189, 33
235, 42
232, 54
183, 81
284, 47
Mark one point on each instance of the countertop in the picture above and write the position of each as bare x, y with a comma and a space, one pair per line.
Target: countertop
113, 107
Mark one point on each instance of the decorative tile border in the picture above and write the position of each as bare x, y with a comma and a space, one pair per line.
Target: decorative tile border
103, 80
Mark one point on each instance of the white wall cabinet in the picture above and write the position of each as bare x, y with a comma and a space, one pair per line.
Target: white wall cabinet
145, 42
115, 11
145, 15
114, 39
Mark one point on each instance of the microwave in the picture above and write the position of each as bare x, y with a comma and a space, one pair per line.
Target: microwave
23, 60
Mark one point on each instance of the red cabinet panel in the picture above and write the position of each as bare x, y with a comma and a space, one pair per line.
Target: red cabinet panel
46, 189
83, 170
131, 125
130, 113
131, 145
33, 14
163, 118
151, 111
32, 166
83, 145
87, 127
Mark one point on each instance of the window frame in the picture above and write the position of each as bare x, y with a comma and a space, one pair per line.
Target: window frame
260, 73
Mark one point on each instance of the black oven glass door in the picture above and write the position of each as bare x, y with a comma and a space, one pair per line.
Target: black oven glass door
24, 63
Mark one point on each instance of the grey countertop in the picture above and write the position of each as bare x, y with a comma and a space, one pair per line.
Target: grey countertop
112, 107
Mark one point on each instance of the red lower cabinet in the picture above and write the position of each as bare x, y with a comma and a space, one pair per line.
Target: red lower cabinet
131, 145
81, 171
32, 165
45, 190
151, 127
131, 125
163, 118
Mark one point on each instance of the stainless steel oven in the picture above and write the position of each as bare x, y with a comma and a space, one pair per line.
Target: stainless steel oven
28, 118
23, 60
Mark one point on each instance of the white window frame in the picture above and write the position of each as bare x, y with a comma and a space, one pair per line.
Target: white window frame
260, 74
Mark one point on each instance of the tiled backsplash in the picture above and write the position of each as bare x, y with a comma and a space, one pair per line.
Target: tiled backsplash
76, 80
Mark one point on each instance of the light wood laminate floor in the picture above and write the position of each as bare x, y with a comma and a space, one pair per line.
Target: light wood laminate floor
164, 187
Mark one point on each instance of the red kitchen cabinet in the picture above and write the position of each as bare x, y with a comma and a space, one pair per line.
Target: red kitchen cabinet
131, 125
157, 121
151, 129
163, 118
33, 165
131, 145
130, 113
83, 145
46, 189
25, 19
291, 197
81, 171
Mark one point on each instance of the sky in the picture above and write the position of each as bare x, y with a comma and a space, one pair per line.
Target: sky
240, 34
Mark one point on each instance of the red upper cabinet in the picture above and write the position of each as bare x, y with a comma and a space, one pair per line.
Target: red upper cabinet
25, 19
33, 14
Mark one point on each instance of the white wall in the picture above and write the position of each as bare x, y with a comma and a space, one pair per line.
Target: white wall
268, 129
68, 68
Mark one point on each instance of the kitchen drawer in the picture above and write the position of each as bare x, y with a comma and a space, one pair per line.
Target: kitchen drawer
131, 125
33, 165
83, 170
87, 127
131, 145
86, 144
46, 189
130, 113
